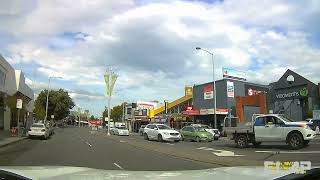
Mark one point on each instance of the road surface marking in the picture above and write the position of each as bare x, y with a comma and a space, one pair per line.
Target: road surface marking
218, 152
170, 144
118, 166
202, 148
226, 153
88, 144
289, 152
265, 151
299, 152
122, 141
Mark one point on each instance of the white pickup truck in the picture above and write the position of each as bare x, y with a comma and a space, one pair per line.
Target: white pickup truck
268, 128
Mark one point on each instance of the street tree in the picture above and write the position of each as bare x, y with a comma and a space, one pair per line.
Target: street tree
59, 104
92, 117
116, 113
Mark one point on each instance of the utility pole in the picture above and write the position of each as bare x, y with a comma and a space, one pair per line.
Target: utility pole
79, 110
110, 79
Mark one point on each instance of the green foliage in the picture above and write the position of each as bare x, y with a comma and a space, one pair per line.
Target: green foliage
59, 104
11, 102
105, 113
116, 113
92, 117
310, 114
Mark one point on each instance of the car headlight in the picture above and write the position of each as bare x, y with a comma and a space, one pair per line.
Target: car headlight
166, 133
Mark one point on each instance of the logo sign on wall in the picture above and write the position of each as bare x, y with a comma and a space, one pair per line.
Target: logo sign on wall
293, 93
230, 89
233, 74
208, 91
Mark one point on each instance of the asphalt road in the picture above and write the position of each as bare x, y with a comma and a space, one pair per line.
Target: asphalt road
85, 148
94, 149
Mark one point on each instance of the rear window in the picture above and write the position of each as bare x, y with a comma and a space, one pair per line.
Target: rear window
37, 125
201, 129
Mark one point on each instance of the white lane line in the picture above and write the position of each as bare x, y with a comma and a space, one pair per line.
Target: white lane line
170, 144
299, 152
88, 144
265, 151
289, 152
202, 148
208, 149
122, 141
118, 166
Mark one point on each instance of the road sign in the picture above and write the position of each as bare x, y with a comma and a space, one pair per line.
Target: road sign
19, 103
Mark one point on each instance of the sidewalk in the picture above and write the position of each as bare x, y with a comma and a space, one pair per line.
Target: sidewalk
6, 138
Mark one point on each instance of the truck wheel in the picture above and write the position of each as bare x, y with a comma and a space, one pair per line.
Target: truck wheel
242, 141
295, 141
145, 136
256, 144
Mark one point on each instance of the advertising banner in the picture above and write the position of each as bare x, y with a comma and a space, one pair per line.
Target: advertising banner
233, 74
230, 89
208, 91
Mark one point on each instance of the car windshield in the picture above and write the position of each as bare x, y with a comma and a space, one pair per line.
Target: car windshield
200, 129
286, 118
37, 125
163, 127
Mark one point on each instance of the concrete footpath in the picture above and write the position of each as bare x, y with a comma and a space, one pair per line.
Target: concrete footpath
7, 139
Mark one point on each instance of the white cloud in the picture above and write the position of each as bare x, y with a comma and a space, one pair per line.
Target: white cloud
152, 45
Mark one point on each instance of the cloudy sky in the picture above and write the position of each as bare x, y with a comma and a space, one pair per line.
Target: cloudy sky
151, 44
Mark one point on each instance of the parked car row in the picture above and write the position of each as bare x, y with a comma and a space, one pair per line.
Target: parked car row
40, 130
194, 132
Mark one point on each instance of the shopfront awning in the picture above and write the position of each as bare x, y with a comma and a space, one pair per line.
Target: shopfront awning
211, 111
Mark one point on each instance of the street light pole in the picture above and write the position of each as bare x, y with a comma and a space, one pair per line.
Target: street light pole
47, 103
214, 85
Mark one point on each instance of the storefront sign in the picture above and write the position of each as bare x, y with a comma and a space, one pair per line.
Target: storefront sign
233, 74
230, 89
251, 90
19, 103
292, 93
211, 111
208, 91
191, 112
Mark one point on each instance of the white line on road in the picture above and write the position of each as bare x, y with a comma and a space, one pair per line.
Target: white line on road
299, 152
170, 144
289, 152
118, 166
202, 148
122, 141
88, 144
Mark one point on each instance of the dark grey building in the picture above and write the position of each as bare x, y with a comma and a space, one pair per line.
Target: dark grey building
294, 96
205, 105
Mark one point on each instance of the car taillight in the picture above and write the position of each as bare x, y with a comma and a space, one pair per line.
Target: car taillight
43, 130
